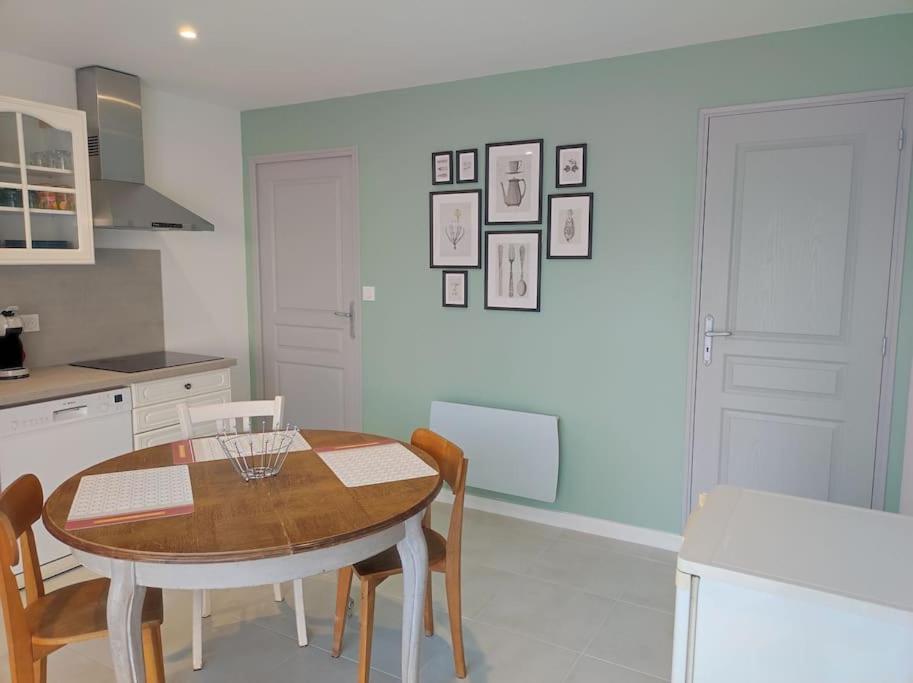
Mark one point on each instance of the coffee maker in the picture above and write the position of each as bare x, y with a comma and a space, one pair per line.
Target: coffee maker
12, 355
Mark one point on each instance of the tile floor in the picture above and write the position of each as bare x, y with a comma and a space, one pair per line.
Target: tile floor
540, 605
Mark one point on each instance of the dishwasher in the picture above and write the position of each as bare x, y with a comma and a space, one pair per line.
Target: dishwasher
55, 440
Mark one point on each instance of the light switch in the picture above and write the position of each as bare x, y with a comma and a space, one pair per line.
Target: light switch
367, 293
30, 323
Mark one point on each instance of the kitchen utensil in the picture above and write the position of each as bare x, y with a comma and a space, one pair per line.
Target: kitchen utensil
500, 270
521, 285
515, 166
513, 195
511, 257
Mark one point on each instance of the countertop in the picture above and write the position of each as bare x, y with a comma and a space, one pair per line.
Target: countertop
777, 543
60, 381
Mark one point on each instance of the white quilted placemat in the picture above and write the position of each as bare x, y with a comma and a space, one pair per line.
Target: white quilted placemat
377, 464
128, 493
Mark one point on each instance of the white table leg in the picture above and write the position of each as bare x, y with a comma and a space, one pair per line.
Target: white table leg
414, 556
125, 616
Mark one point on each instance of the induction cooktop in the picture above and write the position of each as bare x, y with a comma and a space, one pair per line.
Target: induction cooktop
141, 362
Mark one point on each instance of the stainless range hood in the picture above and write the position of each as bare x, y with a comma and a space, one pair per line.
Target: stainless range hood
120, 197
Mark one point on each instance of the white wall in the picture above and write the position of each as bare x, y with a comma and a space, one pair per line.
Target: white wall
193, 156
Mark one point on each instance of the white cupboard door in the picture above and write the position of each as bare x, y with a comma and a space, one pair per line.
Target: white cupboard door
798, 231
45, 201
308, 258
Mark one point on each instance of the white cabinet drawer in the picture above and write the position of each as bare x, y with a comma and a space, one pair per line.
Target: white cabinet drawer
160, 415
180, 388
157, 437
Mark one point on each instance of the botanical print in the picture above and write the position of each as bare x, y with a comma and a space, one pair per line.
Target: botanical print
454, 288
570, 165
455, 228
570, 224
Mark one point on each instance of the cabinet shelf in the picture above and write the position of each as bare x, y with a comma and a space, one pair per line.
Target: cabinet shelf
61, 212
11, 209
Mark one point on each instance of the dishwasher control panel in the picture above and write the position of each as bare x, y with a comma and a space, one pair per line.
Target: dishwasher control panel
47, 414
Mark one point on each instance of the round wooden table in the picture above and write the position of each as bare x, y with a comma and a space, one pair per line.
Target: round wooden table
300, 523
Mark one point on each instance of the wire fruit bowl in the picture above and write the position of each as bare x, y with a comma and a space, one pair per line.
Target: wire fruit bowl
257, 455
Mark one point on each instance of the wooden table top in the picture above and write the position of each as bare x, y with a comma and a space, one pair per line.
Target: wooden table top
304, 507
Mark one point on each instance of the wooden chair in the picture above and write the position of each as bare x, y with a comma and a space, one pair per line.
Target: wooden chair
443, 556
226, 416
48, 621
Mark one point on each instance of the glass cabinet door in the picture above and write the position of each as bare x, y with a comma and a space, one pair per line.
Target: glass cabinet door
44, 194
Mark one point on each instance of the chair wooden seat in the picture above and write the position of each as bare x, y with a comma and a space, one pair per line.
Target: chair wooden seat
443, 556
49, 621
79, 612
388, 563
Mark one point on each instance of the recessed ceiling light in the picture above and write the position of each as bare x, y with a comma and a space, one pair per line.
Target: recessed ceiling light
188, 32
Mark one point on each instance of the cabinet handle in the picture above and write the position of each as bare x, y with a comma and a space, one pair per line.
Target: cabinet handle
188, 386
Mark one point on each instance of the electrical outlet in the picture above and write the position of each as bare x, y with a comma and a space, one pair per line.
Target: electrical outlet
367, 293
30, 323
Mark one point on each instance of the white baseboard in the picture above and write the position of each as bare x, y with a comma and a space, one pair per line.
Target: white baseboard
572, 521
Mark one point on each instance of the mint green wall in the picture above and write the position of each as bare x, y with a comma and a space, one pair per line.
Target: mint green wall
608, 352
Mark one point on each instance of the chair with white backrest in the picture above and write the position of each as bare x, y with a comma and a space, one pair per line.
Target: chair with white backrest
226, 417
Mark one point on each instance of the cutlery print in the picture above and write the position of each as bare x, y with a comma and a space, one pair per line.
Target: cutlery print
511, 257
500, 270
521, 285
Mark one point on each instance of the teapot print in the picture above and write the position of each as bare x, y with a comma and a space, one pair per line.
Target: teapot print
513, 195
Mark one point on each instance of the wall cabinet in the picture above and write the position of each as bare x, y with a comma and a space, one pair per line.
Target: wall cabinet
155, 412
45, 195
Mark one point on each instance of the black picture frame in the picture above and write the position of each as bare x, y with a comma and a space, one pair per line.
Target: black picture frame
488, 190
496, 234
589, 246
465, 275
582, 146
475, 165
434, 157
478, 262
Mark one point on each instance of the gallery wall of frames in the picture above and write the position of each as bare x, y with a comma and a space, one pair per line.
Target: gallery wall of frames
460, 220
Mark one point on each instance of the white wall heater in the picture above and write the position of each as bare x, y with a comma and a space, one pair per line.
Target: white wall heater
508, 451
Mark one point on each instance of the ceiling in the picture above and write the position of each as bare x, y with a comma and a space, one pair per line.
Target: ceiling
259, 53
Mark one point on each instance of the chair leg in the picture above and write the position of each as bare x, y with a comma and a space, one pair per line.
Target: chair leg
367, 629
429, 609
343, 588
455, 613
207, 604
197, 630
277, 592
300, 619
152, 654
41, 670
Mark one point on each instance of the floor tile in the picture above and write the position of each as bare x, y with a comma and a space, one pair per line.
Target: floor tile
636, 638
547, 611
312, 665
622, 547
495, 655
589, 670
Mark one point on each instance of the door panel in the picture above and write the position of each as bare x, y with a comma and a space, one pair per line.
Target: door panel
798, 231
309, 280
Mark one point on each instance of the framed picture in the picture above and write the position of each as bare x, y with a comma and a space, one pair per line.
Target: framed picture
513, 182
467, 161
453, 285
570, 165
442, 168
570, 225
455, 227
512, 270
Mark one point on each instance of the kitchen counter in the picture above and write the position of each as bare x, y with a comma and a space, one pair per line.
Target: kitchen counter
60, 381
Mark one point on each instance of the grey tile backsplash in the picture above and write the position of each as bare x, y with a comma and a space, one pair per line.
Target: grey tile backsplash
111, 308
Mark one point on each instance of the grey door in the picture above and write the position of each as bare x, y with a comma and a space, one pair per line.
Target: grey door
798, 232
309, 279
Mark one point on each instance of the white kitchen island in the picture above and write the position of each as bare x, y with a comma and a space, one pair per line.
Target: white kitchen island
777, 588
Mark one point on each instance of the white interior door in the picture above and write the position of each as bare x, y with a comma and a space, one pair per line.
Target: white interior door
309, 279
798, 231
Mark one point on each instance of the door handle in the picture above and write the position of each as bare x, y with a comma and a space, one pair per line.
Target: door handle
709, 334
350, 314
